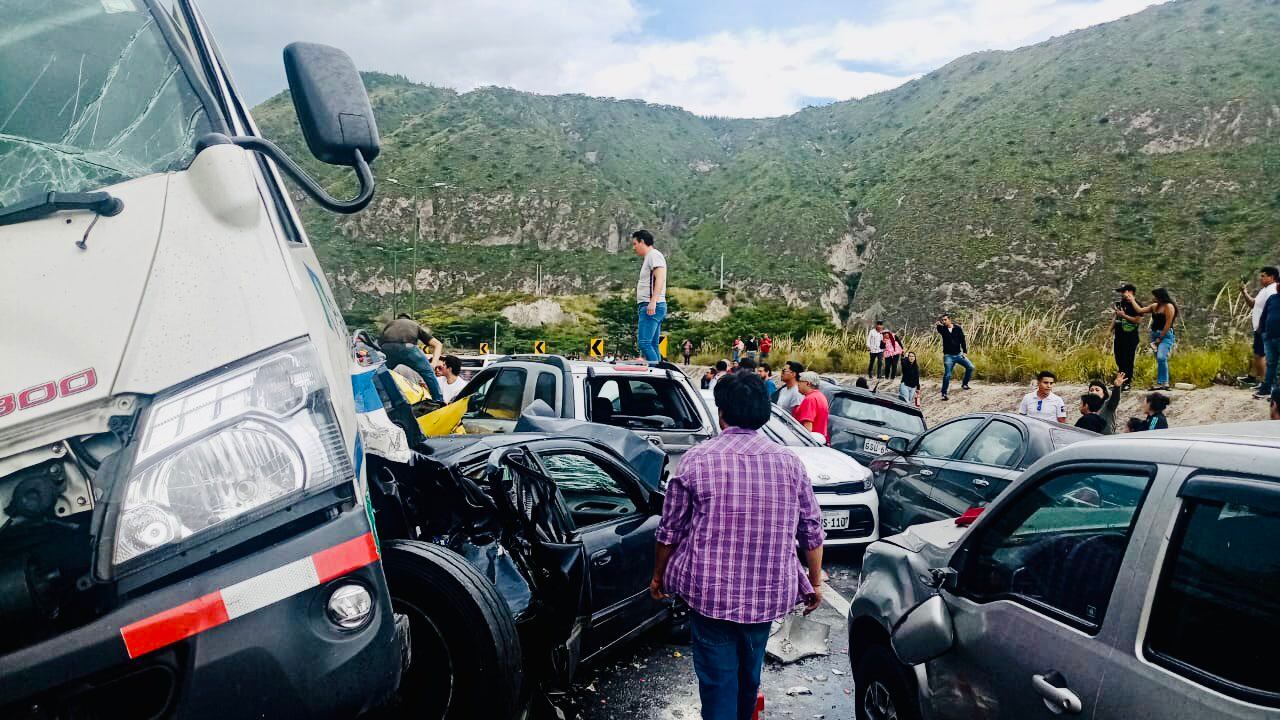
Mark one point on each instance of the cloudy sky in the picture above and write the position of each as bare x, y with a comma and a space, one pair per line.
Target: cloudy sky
737, 58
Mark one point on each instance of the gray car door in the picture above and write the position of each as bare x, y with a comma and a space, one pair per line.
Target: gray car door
983, 469
1206, 615
1036, 580
907, 484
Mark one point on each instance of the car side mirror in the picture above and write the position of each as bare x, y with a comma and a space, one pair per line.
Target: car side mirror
924, 633
336, 118
898, 445
332, 104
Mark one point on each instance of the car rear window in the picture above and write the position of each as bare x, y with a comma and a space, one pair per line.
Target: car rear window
851, 407
1063, 438
644, 403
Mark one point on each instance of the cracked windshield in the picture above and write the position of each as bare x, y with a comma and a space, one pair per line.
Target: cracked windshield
90, 95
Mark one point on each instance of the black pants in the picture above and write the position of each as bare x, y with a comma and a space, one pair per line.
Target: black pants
1126, 347
875, 366
891, 367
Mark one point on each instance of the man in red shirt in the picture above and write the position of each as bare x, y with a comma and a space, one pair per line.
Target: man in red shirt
812, 412
766, 346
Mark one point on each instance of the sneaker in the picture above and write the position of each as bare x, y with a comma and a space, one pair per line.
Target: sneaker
1247, 380
1157, 388
964, 387
1262, 396
944, 397
1126, 387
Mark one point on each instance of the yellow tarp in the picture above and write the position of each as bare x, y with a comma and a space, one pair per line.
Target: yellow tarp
445, 421
413, 394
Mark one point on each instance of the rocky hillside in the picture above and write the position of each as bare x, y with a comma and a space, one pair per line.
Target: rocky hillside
1147, 149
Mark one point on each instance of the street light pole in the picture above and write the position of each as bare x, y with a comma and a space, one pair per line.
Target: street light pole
721, 271
413, 279
395, 284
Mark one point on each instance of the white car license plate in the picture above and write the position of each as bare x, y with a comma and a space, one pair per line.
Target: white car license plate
875, 447
835, 520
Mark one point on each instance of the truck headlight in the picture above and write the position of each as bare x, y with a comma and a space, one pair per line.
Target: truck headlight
212, 454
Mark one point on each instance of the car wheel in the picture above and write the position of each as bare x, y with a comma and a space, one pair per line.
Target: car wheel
466, 660
883, 689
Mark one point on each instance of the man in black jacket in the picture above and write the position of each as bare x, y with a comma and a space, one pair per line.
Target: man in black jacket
954, 349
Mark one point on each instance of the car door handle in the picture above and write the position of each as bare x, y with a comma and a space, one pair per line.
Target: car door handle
602, 558
979, 482
926, 473
1057, 699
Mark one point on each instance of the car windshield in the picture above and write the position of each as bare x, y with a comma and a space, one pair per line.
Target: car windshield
787, 431
91, 94
851, 407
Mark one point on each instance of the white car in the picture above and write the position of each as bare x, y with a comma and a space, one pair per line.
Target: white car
850, 506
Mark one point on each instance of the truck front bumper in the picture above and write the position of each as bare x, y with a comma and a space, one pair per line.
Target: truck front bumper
247, 639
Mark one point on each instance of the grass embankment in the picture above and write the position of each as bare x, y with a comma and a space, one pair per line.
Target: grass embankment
1012, 345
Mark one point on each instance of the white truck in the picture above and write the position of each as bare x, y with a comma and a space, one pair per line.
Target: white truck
184, 525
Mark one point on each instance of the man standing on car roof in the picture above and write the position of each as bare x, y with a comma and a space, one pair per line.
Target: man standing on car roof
727, 545
651, 295
399, 343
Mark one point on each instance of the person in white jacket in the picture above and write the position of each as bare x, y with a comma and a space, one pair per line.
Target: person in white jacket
875, 348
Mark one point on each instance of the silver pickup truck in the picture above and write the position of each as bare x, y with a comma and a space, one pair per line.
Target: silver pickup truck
1130, 576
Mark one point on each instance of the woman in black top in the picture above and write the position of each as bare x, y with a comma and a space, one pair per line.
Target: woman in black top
910, 379
1163, 312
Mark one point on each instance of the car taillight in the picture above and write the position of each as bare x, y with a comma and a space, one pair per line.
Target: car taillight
969, 516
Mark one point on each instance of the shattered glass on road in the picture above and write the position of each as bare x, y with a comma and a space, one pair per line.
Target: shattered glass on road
90, 95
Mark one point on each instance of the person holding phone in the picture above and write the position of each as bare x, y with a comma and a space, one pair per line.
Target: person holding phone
1128, 315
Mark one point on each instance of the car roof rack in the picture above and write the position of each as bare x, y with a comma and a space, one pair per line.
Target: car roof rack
556, 360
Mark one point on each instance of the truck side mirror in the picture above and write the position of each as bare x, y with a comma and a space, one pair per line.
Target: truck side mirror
898, 445
332, 104
924, 633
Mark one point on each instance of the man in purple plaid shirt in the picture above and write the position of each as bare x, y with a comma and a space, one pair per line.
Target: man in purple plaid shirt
727, 545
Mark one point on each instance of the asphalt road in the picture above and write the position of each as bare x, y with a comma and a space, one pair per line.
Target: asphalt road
653, 678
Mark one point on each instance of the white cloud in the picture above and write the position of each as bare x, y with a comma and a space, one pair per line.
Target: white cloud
597, 46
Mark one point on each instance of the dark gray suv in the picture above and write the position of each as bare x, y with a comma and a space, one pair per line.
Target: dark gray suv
1130, 576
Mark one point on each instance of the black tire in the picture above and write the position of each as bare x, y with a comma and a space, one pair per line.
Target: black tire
879, 676
466, 654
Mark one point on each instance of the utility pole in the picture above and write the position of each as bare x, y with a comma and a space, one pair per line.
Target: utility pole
721, 271
413, 279
538, 286
494, 349
395, 284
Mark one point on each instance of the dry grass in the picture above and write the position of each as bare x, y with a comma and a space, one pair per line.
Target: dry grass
1012, 345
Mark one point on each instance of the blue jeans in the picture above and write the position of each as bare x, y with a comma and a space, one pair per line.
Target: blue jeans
412, 355
1163, 350
649, 330
948, 364
727, 657
907, 394
1271, 351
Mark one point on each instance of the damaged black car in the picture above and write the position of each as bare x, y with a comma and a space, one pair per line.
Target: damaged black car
515, 557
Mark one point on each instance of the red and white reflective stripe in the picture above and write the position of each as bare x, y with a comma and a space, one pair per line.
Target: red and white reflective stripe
257, 592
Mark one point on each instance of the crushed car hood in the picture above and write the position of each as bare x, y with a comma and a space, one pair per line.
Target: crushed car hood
930, 538
647, 460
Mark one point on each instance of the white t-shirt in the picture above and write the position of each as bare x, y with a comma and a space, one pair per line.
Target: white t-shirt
450, 390
1259, 302
644, 286
1050, 408
789, 398
875, 340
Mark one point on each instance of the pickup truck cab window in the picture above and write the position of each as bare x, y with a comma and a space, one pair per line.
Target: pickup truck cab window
1057, 547
1216, 614
591, 493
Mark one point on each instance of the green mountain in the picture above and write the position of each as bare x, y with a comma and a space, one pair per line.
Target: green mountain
1147, 150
